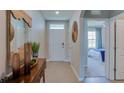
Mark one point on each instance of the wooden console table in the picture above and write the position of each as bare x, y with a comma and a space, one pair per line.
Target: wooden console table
37, 73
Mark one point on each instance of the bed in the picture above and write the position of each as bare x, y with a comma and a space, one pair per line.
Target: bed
98, 54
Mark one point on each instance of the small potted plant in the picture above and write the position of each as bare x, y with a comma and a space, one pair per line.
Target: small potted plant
35, 49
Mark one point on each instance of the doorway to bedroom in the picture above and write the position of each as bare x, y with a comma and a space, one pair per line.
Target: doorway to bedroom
96, 48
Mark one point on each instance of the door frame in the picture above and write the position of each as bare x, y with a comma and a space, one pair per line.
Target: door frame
107, 44
112, 46
115, 49
65, 22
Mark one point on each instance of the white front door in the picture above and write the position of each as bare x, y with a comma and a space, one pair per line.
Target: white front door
119, 49
56, 42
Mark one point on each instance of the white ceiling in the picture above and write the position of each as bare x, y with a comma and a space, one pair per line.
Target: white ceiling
93, 23
51, 15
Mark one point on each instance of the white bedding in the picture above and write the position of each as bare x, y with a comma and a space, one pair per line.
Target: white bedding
94, 54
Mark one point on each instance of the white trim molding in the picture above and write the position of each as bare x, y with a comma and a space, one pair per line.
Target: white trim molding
78, 77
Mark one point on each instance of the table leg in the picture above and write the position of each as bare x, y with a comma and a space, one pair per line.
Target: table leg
43, 76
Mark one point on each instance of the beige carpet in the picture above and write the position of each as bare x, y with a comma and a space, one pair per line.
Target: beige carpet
59, 72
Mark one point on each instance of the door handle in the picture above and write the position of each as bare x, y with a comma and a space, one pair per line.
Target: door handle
62, 44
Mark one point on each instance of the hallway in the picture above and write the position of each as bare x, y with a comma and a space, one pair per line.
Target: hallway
60, 35
60, 72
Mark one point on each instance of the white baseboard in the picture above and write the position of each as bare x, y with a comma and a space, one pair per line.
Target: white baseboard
49, 60
65, 60
81, 79
78, 77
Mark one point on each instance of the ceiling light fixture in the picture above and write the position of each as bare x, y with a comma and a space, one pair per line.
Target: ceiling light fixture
57, 12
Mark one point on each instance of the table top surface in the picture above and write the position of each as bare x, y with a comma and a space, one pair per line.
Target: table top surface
34, 71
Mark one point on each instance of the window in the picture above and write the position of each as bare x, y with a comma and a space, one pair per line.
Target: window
91, 39
56, 26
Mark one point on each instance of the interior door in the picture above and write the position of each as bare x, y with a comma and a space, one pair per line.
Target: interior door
119, 49
56, 42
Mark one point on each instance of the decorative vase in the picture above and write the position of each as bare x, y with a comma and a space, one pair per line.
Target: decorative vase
16, 65
27, 58
35, 55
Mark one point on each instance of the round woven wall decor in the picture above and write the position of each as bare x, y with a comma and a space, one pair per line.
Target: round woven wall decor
74, 31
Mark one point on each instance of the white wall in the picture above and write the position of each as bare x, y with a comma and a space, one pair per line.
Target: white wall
38, 31
112, 49
75, 48
2, 42
67, 41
